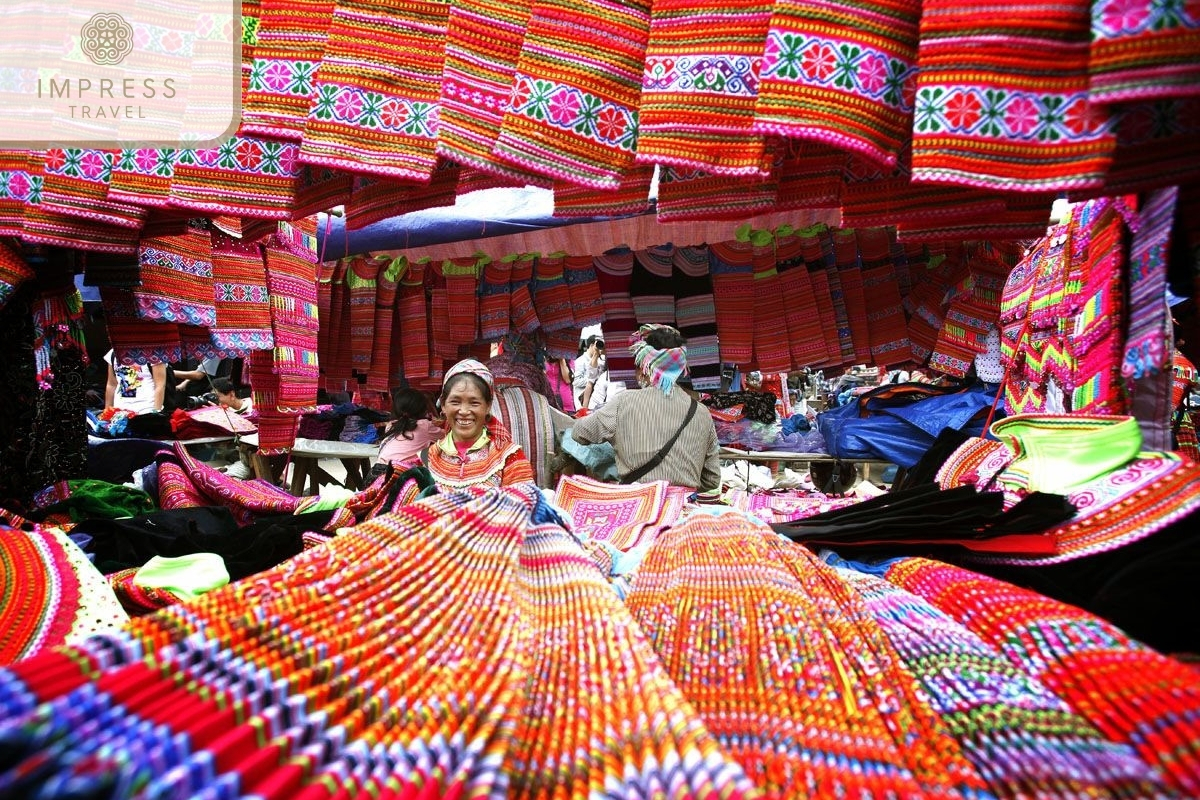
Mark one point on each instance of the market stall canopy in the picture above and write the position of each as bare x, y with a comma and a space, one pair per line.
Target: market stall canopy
501, 221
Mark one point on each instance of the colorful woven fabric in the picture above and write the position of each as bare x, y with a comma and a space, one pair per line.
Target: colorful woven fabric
41, 224
841, 74
135, 340
462, 293
525, 412
494, 299
240, 298
772, 353
291, 263
374, 100
177, 279
881, 289
551, 294
622, 518
572, 111
243, 176
483, 43
696, 315
13, 272
383, 374
699, 86
1033, 129
994, 708
631, 196
805, 338
723, 590
692, 195
1097, 670
784, 505
361, 287
614, 271
377, 198
412, 312
142, 175
849, 266
1143, 51
76, 185
809, 175
1095, 295
523, 316
292, 38
650, 285
19, 185
41, 592
732, 266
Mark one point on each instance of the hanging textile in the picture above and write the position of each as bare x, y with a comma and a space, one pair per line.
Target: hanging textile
17, 184
338, 368
292, 39
374, 101
809, 175
361, 288
383, 374
291, 262
1149, 344
818, 260
1148, 39
240, 299
75, 184
931, 273
378, 198
568, 123
1088, 352
1033, 131
614, 271
551, 295
462, 294
699, 88
631, 196
483, 43
692, 195
412, 310
13, 272
805, 338
277, 430
587, 306
650, 285
696, 315
881, 290
841, 75
136, 340
176, 279
494, 299
523, 314
732, 267
849, 266
142, 175
772, 353
974, 305
43, 225
243, 176
443, 350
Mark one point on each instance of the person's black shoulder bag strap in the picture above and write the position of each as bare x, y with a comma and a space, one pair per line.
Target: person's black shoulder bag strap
657, 458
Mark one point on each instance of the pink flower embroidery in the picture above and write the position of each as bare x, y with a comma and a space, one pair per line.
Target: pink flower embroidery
146, 159
1124, 15
872, 74
277, 76
92, 165
348, 105
564, 107
819, 62
1021, 116
18, 185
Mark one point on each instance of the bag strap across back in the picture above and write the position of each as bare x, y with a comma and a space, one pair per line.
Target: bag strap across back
657, 458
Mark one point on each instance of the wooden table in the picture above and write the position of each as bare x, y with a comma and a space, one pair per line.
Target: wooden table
306, 456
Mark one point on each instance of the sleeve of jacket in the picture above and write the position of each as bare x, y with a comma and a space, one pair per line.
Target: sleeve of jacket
517, 469
710, 475
600, 425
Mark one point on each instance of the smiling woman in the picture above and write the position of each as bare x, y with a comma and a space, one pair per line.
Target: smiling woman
477, 449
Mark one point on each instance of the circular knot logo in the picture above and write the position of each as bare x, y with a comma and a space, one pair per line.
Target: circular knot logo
106, 39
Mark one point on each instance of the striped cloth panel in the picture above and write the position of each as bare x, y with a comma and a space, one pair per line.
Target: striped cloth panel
527, 416
291, 44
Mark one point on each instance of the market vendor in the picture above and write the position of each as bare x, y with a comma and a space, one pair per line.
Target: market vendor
477, 450
658, 432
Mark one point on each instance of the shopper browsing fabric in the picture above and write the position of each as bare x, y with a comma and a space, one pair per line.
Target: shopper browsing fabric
140, 388
477, 449
412, 428
657, 433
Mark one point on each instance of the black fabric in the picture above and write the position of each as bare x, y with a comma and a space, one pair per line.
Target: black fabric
268, 541
925, 470
657, 458
152, 425
115, 460
756, 406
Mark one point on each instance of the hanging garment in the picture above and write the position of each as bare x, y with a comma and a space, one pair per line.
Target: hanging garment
696, 315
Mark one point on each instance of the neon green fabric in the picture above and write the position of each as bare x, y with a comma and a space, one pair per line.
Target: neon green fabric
186, 577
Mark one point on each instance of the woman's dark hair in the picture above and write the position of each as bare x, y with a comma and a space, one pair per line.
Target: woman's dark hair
408, 406
479, 383
665, 339
222, 385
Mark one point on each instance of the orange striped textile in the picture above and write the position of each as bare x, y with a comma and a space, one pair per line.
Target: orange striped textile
841, 73
1019, 117
291, 44
804, 335
631, 196
375, 100
699, 87
483, 44
688, 194
572, 114
1144, 50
